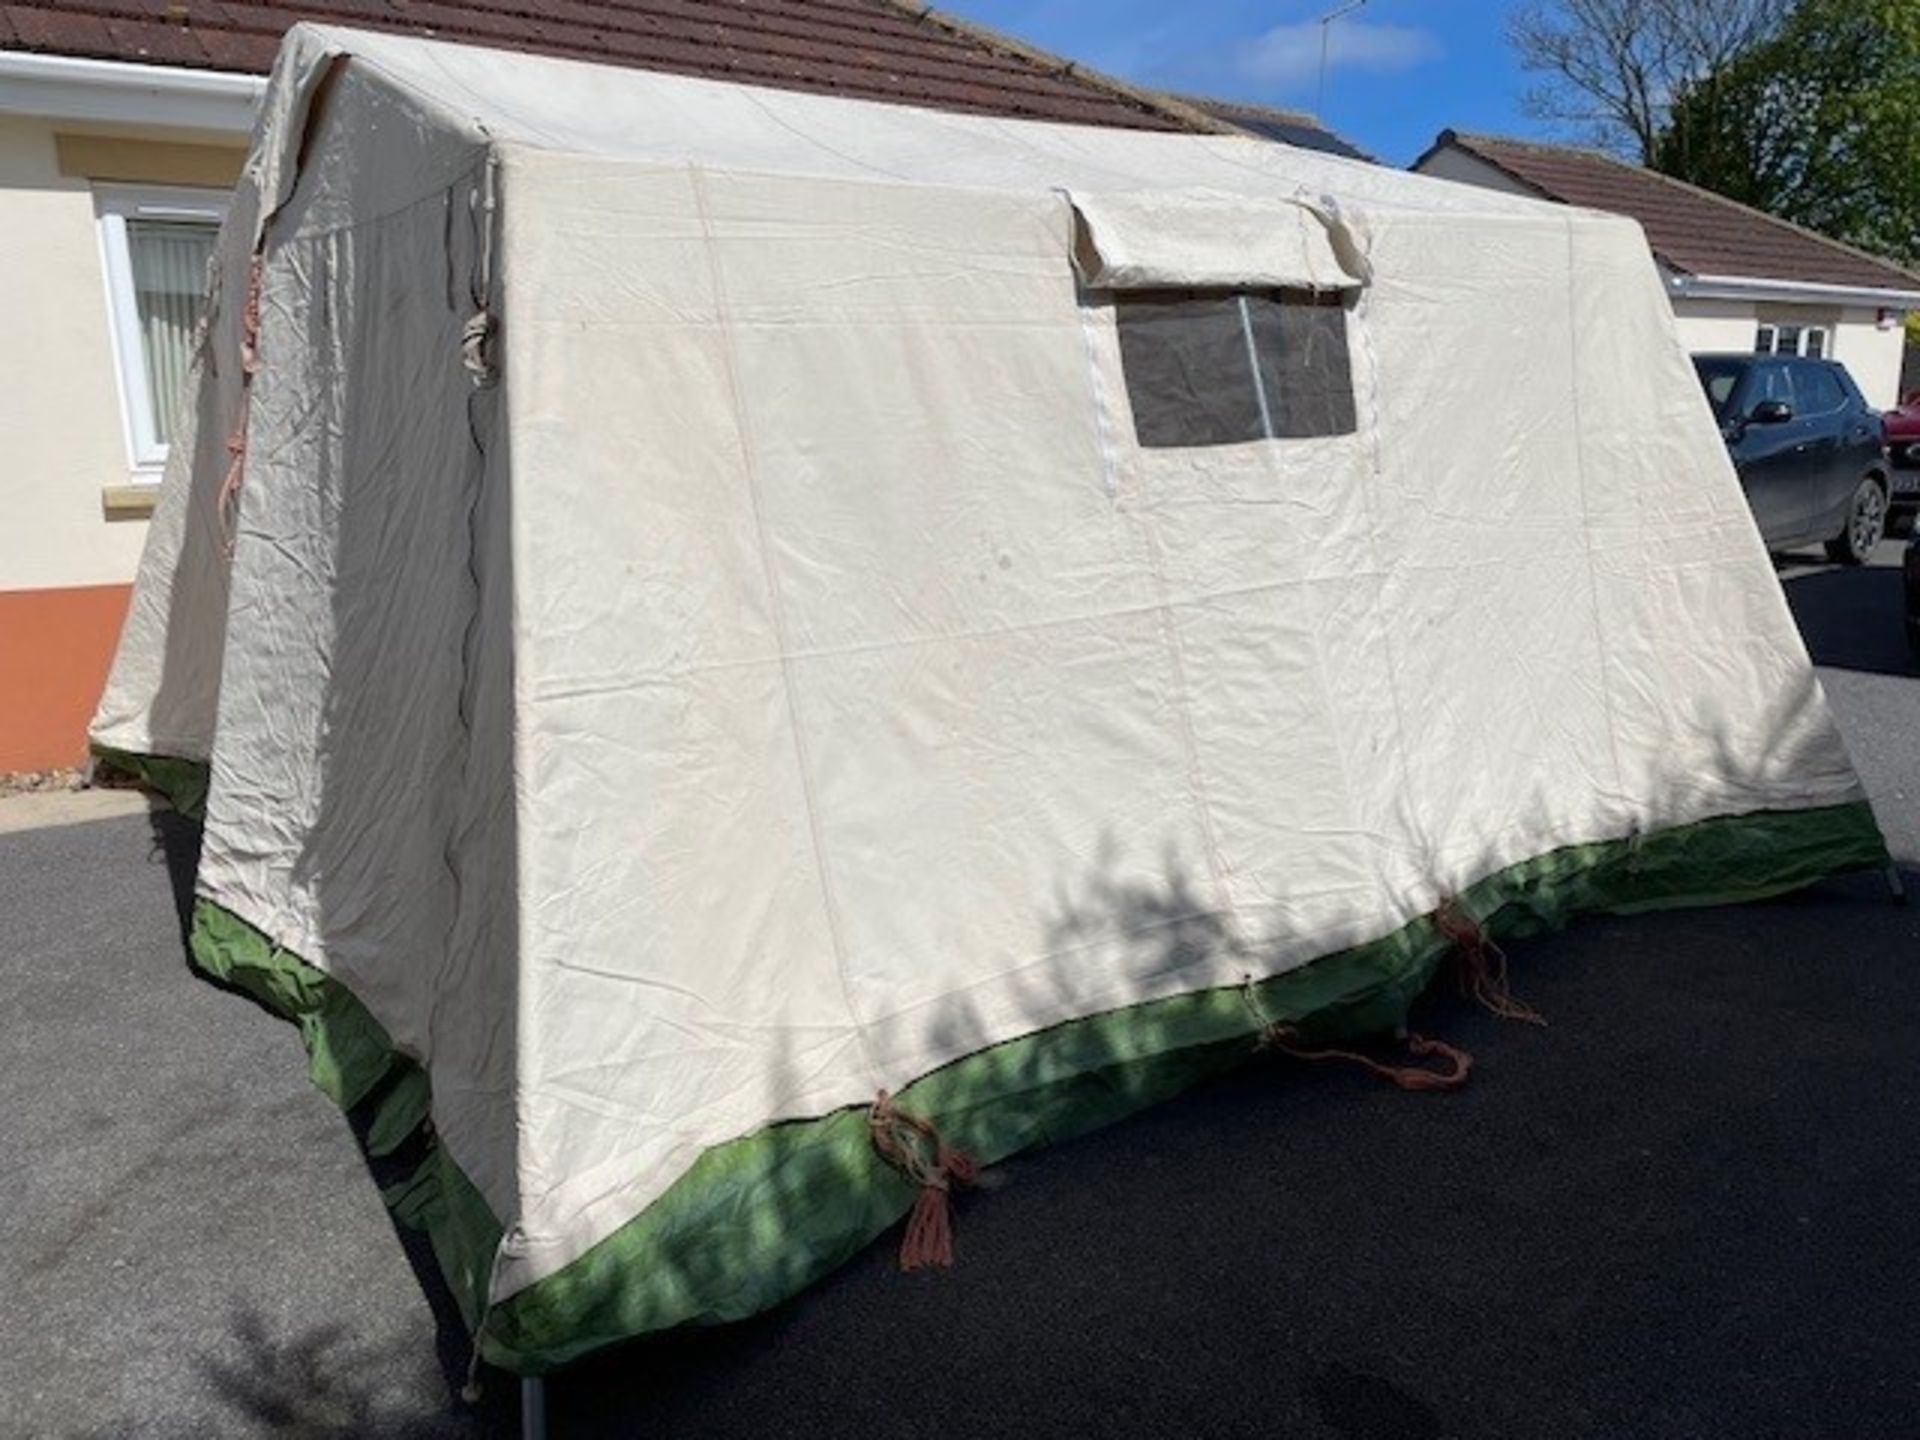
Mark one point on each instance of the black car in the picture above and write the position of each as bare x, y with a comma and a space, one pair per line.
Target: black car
1810, 451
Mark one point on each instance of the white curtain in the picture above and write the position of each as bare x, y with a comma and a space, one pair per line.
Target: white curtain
169, 262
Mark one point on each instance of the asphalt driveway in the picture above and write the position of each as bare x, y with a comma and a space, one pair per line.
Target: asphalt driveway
1687, 1208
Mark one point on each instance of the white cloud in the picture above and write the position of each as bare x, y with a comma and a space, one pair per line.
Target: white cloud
1287, 57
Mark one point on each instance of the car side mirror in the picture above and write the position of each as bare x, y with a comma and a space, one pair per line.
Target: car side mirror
1771, 412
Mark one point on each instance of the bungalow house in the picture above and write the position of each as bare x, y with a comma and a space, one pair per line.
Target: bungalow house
1738, 279
123, 123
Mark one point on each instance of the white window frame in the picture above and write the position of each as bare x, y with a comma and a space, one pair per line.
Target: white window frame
1767, 333
114, 206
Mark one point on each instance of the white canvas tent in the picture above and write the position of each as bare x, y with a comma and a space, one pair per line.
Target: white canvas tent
730, 602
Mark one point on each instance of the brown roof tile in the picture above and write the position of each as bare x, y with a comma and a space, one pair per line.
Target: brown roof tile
871, 49
1692, 230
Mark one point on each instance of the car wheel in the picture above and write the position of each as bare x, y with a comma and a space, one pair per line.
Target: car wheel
1866, 525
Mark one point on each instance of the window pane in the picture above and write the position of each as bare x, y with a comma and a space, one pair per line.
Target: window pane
1302, 344
169, 263
1188, 372
1763, 340
1816, 343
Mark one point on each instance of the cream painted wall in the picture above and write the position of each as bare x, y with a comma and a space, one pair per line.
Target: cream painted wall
1872, 355
62, 438
1715, 324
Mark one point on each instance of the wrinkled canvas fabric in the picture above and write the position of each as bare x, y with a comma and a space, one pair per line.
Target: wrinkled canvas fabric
787, 673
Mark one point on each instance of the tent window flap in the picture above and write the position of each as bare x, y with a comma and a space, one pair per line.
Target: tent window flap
1231, 367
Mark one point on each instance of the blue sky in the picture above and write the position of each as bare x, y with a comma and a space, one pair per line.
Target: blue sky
1398, 71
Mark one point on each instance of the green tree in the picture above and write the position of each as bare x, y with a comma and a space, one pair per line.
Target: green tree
1817, 122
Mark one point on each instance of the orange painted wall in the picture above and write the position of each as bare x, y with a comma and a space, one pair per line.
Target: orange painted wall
55, 647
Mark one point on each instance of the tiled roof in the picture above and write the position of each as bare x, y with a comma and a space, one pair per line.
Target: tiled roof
1693, 231
1269, 122
872, 49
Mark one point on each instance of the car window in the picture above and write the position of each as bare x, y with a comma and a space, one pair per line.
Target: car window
1819, 390
1772, 381
1720, 379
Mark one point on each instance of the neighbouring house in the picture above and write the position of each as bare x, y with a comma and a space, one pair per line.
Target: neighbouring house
1738, 279
122, 128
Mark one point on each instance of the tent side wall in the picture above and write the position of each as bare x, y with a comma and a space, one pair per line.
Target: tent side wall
360, 815
920, 708
1588, 628
157, 713
1710, 689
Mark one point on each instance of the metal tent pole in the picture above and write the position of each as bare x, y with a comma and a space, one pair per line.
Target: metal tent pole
533, 1407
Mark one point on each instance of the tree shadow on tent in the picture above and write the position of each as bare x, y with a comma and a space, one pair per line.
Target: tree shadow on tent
1141, 920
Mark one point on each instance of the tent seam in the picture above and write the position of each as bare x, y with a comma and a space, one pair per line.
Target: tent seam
1376, 476
1586, 518
1190, 741
802, 756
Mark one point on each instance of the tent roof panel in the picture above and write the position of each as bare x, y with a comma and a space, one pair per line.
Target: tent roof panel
579, 108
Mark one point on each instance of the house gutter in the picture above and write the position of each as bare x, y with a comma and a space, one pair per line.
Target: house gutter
63, 87
1747, 287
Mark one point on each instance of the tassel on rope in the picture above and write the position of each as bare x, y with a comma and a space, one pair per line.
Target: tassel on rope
1483, 965
912, 1145
228, 505
1458, 1063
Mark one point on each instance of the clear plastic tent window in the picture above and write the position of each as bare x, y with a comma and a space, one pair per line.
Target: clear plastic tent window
1232, 367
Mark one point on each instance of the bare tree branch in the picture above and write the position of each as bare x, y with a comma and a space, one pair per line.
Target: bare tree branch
1612, 67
